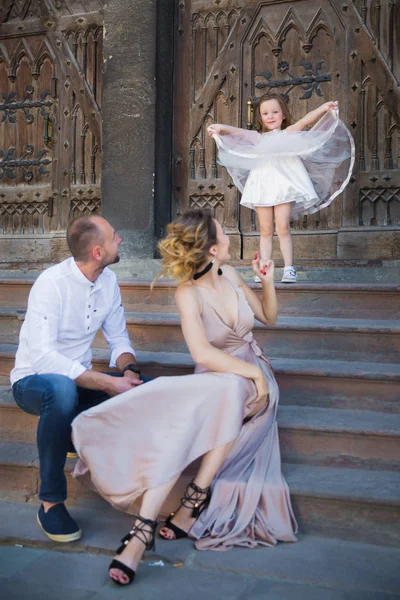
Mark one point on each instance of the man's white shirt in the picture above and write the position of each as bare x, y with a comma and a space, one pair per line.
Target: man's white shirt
65, 311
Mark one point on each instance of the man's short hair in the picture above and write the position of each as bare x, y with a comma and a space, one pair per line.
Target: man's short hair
82, 234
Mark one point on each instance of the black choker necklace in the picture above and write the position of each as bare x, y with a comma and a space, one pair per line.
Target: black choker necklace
205, 270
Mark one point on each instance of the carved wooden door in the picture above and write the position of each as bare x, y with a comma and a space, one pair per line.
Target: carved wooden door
228, 53
50, 130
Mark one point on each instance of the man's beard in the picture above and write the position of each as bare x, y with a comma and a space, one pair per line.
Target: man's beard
109, 261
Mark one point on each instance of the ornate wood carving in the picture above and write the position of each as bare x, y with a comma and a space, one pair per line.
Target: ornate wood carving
379, 206
85, 202
206, 201
378, 125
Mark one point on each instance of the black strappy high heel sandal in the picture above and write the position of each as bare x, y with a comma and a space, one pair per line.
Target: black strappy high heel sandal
191, 499
145, 536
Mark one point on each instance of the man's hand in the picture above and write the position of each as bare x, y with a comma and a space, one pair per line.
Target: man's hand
133, 377
112, 386
119, 385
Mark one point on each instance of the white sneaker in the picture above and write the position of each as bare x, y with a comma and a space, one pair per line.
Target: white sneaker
289, 275
257, 279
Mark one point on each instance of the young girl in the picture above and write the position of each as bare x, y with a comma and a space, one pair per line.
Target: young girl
284, 172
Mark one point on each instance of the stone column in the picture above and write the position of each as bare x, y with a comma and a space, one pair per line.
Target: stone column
128, 108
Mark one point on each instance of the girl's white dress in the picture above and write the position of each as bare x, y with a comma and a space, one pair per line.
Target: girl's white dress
307, 168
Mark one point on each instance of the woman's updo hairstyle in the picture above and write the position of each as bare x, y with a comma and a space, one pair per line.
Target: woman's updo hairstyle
185, 248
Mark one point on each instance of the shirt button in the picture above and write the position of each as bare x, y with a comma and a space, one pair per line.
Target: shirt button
87, 316
89, 305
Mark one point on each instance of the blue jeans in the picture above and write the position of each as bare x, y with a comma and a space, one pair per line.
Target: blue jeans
57, 400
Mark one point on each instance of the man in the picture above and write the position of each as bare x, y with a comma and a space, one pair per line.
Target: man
52, 376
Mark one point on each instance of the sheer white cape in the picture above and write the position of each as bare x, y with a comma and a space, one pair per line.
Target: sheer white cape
326, 151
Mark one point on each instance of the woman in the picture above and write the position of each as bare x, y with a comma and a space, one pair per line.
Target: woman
225, 412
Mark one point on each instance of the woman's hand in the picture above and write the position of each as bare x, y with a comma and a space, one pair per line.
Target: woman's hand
262, 388
214, 129
332, 105
263, 268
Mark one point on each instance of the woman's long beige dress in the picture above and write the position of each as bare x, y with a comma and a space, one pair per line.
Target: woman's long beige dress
146, 436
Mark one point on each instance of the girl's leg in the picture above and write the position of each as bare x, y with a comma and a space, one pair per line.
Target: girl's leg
282, 223
266, 221
209, 467
152, 502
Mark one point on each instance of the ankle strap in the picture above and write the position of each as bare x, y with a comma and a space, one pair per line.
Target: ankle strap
139, 531
198, 489
193, 499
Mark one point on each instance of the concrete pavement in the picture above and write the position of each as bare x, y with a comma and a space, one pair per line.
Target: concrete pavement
312, 569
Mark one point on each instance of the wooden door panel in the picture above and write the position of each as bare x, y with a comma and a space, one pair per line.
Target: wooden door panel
298, 50
50, 79
229, 54
27, 113
205, 95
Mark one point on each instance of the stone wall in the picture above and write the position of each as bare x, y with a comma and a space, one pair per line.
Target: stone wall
129, 98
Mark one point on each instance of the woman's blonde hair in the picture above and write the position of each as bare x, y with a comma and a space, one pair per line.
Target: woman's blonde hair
185, 248
287, 117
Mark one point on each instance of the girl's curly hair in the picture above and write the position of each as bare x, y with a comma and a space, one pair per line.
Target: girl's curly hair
185, 248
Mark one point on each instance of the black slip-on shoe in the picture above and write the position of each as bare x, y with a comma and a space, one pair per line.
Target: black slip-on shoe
58, 524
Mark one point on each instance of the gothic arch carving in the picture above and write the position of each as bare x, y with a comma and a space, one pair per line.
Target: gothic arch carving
22, 50
45, 52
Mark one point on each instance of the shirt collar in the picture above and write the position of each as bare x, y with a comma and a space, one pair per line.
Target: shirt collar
92, 285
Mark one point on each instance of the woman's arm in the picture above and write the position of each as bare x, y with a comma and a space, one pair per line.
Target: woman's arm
312, 116
266, 308
203, 353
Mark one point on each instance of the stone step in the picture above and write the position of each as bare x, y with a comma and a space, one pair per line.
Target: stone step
313, 299
346, 503
293, 337
342, 300
314, 568
307, 382
339, 384
314, 436
339, 438
350, 504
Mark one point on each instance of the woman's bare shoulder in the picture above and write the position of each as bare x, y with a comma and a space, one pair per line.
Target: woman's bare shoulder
185, 292
232, 274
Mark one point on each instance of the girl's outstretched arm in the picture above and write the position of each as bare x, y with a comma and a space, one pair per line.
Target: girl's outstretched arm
312, 116
240, 135
221, 129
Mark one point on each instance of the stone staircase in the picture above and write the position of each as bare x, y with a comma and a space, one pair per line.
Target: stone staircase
335, 351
